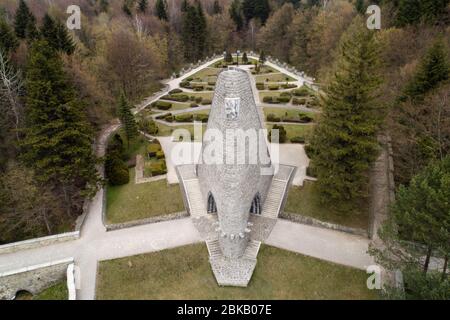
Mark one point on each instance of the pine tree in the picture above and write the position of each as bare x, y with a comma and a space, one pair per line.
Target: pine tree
228, 57
25, 22
143, 5
360, 6
194, 32
8, 39
236, 14
245, 58
200, 31
409, 12
262, 10
217, 9
58, 141
161, 10
57, 35
127, 119
262, 57
434, 68
344, 144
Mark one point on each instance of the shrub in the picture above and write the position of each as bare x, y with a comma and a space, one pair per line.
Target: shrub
198, 99
260, 86
298, 140
201, 117
198, 88
311, 170
184, 118
299, 101
189, 79
176, 97
288, 86
309, 151
160, 155
206, 101
286, 94
281, 133
284, 99
274, 87
163, 105
301, 92
175, 91
153, 149
304, 118
148, 126
268, 99
116, 170
193, 105
192, 98
158, 168
211, 83
272, 118
209, 89
163, 116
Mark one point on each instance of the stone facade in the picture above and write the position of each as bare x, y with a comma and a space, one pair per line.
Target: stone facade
234, 186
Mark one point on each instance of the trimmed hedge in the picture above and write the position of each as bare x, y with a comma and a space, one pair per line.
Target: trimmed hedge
301, 92
284, 99
274, 87
272, 118
299, 101
201, 117
158, 168
175, 91
162, 105
160, 155
298, 140
184, 118
176, 97
288, 86
193, 105
282, 134
304, 118
153, 149
260, 86
206, 102
148, 126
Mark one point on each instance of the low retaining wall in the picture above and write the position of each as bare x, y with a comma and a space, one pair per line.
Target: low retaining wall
297, 218
33, 279
167, 217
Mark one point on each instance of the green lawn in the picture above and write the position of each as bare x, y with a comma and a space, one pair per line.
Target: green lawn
296, 130
56, 292
290, 113
175, 106
273, 77
305, 201
139, 201
185, 273
206, 74
166, 131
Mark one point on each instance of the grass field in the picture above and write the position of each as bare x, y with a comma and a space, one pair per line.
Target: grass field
166, 131
185, 273
290, 113
139, 201
295, 130
274, 77
305, 201
206, 74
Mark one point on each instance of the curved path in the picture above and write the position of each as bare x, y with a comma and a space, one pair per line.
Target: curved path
96, 244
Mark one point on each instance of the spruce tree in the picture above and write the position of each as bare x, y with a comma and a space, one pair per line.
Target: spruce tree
344, 144
161, 10
8, 39
217, 9
57, 36
58, 138
433, 69
126, 117
360, 6
409, 12
25, 22
235, 13
262, 57
143, 5
245, 58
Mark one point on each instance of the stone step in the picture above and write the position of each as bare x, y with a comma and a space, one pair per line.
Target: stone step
274, 198
251, 252
214, 249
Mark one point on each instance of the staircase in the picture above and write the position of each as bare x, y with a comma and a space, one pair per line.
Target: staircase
214, 249
251, 252
272, 205
197, 205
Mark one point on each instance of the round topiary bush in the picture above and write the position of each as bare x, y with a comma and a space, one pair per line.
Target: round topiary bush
298, 140
116, 171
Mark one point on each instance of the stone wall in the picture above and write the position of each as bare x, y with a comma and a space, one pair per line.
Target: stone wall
33, 279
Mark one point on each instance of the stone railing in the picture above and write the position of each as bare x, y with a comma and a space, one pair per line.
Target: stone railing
33, 279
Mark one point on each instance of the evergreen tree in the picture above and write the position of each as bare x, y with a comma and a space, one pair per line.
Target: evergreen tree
433, 10
217, 9
127, 119
8, 40
143, 5
236, 14
58, 141
104, 4
184, 6
360, 6
344, 143
256, 9
161, 10
262, 57
434, 68
126, 8
245, 58
228, 57
25, 22
194, 32
409, 12
57, 35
